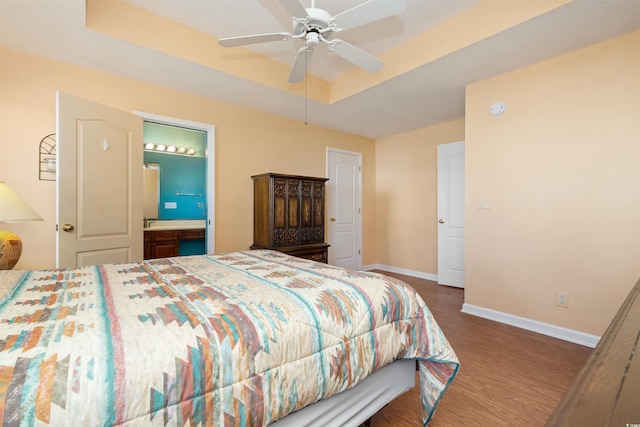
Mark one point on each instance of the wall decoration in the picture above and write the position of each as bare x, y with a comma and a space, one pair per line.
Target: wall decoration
47, 161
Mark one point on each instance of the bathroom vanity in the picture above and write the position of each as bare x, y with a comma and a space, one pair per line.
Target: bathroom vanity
163, 238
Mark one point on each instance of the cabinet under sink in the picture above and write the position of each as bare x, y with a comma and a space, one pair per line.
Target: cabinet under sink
164, 238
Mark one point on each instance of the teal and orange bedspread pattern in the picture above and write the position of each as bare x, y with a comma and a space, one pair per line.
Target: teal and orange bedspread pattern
238, 339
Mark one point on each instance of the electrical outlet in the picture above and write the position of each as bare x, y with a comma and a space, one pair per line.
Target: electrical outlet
562, 299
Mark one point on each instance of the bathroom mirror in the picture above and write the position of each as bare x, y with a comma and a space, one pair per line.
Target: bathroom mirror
151, 191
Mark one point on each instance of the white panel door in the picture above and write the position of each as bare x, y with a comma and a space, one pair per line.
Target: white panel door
344, 209
451, 214
99, 184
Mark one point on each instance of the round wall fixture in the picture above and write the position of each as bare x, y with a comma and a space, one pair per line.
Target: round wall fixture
497, 108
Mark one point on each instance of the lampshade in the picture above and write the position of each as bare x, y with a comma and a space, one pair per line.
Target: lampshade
12, 208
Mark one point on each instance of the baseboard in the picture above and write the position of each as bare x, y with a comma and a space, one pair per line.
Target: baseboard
548, 329
406, 272
533, 325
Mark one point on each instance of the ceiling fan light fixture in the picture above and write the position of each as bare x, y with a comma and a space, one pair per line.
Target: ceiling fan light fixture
313, 39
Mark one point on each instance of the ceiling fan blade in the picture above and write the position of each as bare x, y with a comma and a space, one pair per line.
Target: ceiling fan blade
299, 68
256, 38
369, 11
295, 8
356, 55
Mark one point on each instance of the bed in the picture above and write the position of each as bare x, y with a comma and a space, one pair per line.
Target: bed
245, 338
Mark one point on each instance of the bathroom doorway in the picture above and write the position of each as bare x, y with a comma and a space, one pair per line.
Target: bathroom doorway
183, 152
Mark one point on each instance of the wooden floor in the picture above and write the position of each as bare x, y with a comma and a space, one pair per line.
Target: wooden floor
508, 376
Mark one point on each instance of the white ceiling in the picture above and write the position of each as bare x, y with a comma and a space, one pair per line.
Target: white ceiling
430, 94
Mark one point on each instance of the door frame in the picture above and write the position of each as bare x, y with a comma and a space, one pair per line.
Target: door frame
359, 189
211, 166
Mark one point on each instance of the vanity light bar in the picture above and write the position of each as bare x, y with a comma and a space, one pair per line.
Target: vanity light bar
172, 149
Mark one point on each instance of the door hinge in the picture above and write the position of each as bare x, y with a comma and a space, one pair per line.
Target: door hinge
359, 252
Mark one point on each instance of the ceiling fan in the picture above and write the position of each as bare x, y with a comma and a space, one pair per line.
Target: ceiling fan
316, 25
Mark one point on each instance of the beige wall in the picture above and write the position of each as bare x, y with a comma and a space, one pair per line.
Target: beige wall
561, 170
406, 189
247, 143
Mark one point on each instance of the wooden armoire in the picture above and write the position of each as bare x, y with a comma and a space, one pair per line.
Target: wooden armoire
288, 215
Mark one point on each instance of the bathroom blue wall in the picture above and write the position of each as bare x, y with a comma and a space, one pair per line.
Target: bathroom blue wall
180, 175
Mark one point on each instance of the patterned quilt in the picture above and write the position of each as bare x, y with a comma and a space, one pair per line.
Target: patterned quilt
241, 339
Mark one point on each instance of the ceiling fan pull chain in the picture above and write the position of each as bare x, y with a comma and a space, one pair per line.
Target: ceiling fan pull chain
306, 62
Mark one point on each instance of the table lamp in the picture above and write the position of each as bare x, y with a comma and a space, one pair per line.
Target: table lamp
12, 209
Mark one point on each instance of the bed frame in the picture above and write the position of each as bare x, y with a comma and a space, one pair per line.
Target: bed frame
357, 405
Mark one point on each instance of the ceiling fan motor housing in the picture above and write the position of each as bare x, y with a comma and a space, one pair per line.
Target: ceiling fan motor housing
317, 21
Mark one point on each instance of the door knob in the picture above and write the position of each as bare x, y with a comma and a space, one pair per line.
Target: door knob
441, 221
68, 227
333, 219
